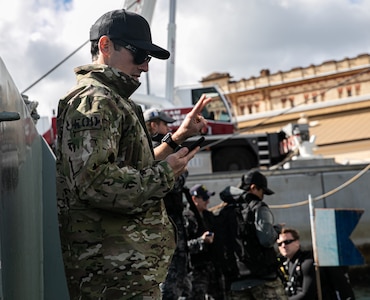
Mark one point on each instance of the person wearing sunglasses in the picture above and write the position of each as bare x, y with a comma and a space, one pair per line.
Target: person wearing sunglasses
299, 276
116, 236
298, 271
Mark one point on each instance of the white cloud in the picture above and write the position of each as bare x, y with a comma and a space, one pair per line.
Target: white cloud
239, 37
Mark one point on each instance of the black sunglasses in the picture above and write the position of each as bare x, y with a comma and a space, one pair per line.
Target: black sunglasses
286, 242
140, 56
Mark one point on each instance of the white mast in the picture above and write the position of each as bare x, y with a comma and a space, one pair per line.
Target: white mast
141, 7
171, 45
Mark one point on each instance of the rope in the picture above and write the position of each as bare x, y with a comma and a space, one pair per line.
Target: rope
333, 191
54, 68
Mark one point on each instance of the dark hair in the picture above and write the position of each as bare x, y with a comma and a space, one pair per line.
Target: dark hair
292, 231
94, 49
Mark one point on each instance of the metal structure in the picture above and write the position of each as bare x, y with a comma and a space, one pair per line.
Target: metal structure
30, 247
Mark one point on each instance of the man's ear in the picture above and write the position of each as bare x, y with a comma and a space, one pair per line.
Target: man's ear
105, 45
154, 126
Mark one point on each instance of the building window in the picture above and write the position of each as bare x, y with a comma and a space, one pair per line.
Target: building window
357, 89
306, 96
340, 92
242, 109
250, 110
349, 90
283, 101
322, 96
257, 107
291, 101
314, 97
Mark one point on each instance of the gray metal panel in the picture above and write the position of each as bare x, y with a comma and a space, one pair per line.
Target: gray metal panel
21, 194
290, 189
31, 263
55, 285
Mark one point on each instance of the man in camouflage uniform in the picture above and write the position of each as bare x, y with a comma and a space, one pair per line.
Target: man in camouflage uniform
116, 237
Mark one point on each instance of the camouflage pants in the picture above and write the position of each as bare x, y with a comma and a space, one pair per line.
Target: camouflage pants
177, 284
207, 283
149, 295
270, 290
178, 280
153, 294
109, 294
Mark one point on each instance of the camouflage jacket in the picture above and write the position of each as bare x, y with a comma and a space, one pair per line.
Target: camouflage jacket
116, 237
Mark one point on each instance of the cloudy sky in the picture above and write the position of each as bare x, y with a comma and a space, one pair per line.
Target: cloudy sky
239, 37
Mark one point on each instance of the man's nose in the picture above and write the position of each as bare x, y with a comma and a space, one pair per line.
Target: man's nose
144, 67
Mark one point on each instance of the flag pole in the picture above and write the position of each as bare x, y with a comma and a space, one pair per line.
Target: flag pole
314, 246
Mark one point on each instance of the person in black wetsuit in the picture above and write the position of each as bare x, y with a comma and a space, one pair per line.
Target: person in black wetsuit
297, 271
207, 281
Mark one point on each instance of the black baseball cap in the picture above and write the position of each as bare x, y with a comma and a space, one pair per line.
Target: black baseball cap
200, 190
128, 27
255, 177
155, 114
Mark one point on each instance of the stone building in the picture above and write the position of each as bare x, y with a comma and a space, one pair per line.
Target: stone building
333, 97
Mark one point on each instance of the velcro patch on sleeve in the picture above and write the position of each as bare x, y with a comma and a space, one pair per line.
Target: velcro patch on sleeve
89, 122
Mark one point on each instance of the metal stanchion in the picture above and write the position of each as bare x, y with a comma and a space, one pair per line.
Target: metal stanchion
315, 256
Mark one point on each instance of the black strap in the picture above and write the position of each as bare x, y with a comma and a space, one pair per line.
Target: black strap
139, 113
291, 275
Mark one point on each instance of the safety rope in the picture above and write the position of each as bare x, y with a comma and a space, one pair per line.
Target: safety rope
333, 191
